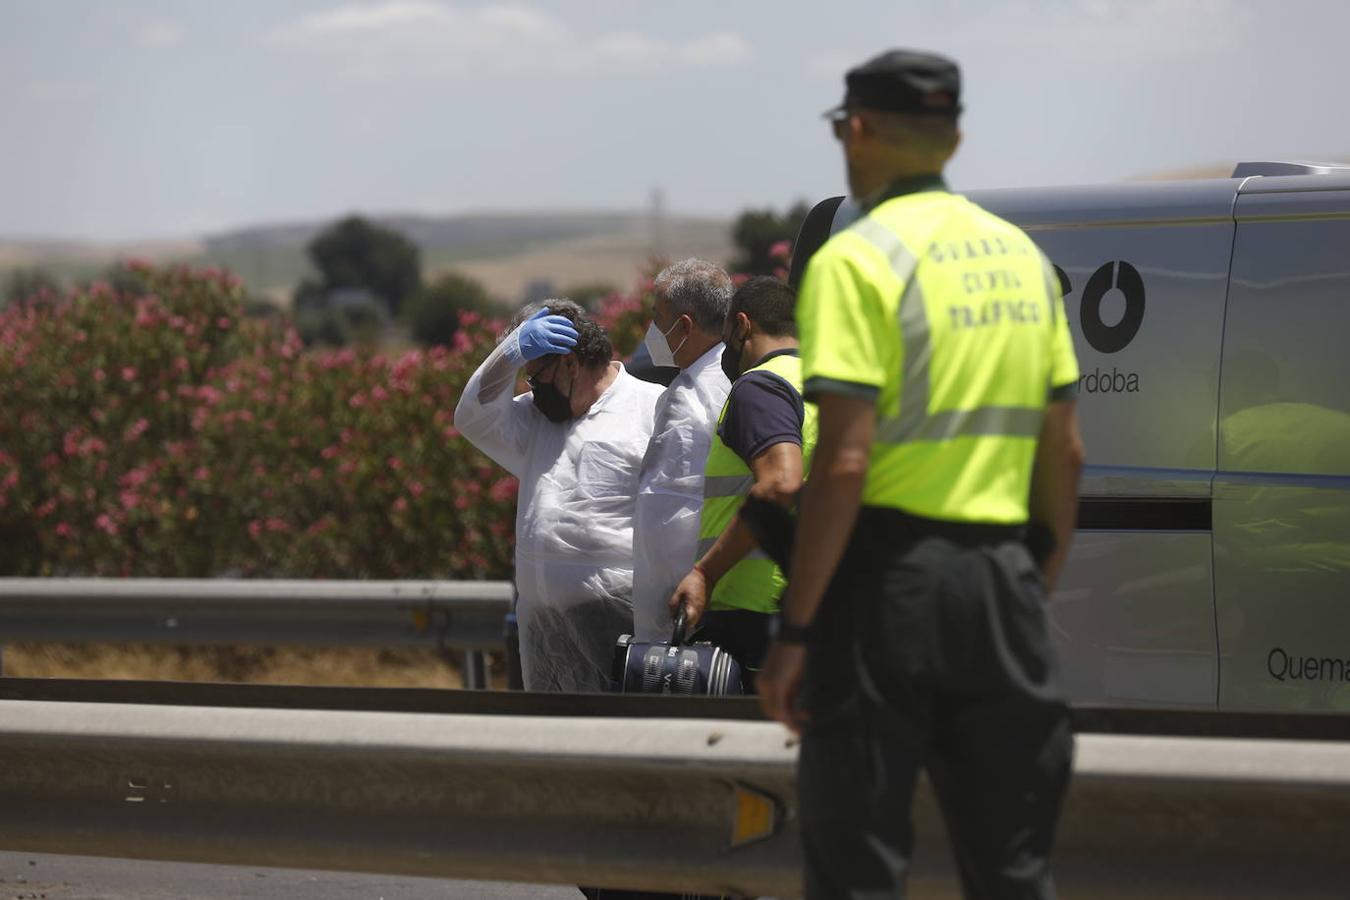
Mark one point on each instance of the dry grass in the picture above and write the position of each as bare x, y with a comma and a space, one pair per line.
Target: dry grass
367, 667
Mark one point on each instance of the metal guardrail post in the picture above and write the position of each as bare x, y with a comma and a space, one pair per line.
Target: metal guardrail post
475, 671
515, 675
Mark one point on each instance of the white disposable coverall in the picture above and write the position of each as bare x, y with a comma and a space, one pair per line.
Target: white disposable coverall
670, 490
574, 516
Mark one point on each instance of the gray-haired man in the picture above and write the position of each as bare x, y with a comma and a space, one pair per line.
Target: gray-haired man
692, 297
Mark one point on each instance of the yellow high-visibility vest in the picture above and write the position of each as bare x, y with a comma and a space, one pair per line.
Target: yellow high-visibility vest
754, 583
951, 320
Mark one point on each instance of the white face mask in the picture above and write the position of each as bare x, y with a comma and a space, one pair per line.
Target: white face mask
658, 348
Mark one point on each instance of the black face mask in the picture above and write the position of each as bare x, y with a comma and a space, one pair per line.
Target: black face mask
731, 360
551, 402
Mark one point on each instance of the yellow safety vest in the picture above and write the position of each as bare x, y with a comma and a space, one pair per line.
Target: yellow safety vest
754, 583
951, 320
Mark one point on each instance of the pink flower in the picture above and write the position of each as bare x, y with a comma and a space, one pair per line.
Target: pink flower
401, 505
135, 430
395, 463
357, 401
416, 489
202, 473
223, 323
64, 530
255, 528
503, 490
378, 394
128, 373
106, 524
99, 376
129, 500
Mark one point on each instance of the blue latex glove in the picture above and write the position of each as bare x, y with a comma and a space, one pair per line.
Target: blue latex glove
543, 334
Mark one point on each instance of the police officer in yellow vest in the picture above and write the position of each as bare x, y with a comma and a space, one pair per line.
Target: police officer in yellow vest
934, 341
765, 436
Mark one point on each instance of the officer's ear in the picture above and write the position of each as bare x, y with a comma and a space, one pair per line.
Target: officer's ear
861, 124
745, 325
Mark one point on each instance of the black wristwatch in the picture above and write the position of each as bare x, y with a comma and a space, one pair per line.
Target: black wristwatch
785, 632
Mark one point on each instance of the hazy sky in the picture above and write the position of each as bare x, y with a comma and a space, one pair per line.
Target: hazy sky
145, 119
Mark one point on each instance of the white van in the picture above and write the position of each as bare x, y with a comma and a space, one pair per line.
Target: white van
1211, 320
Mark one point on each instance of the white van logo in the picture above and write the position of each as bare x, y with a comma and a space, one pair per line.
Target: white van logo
1108, 338
1112, 338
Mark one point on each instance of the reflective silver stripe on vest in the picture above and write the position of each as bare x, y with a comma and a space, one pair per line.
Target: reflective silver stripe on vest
727, 485
915, 422
983, 421
707, 544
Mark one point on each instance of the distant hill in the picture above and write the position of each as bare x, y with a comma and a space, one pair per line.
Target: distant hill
508, 251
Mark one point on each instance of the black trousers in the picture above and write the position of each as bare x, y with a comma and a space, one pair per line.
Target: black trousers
741, 632
931, 652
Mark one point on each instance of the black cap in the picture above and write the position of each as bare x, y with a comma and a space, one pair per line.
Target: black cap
905, 81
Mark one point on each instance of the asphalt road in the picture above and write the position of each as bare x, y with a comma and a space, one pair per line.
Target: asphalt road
40, 876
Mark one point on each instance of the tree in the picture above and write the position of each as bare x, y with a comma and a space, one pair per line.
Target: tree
28, 284
757, 232
434, 312
356, 253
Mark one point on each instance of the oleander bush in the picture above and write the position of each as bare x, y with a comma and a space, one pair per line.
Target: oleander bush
157, 431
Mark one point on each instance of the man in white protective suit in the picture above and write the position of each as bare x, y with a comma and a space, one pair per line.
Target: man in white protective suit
691, 300
575, 441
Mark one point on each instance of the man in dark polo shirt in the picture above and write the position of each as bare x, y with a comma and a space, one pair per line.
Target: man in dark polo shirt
765, 436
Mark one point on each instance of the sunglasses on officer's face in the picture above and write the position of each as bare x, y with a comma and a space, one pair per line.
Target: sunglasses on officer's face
839, 123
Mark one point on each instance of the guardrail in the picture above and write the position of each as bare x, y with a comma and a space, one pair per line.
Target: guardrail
452, 615
702, 805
